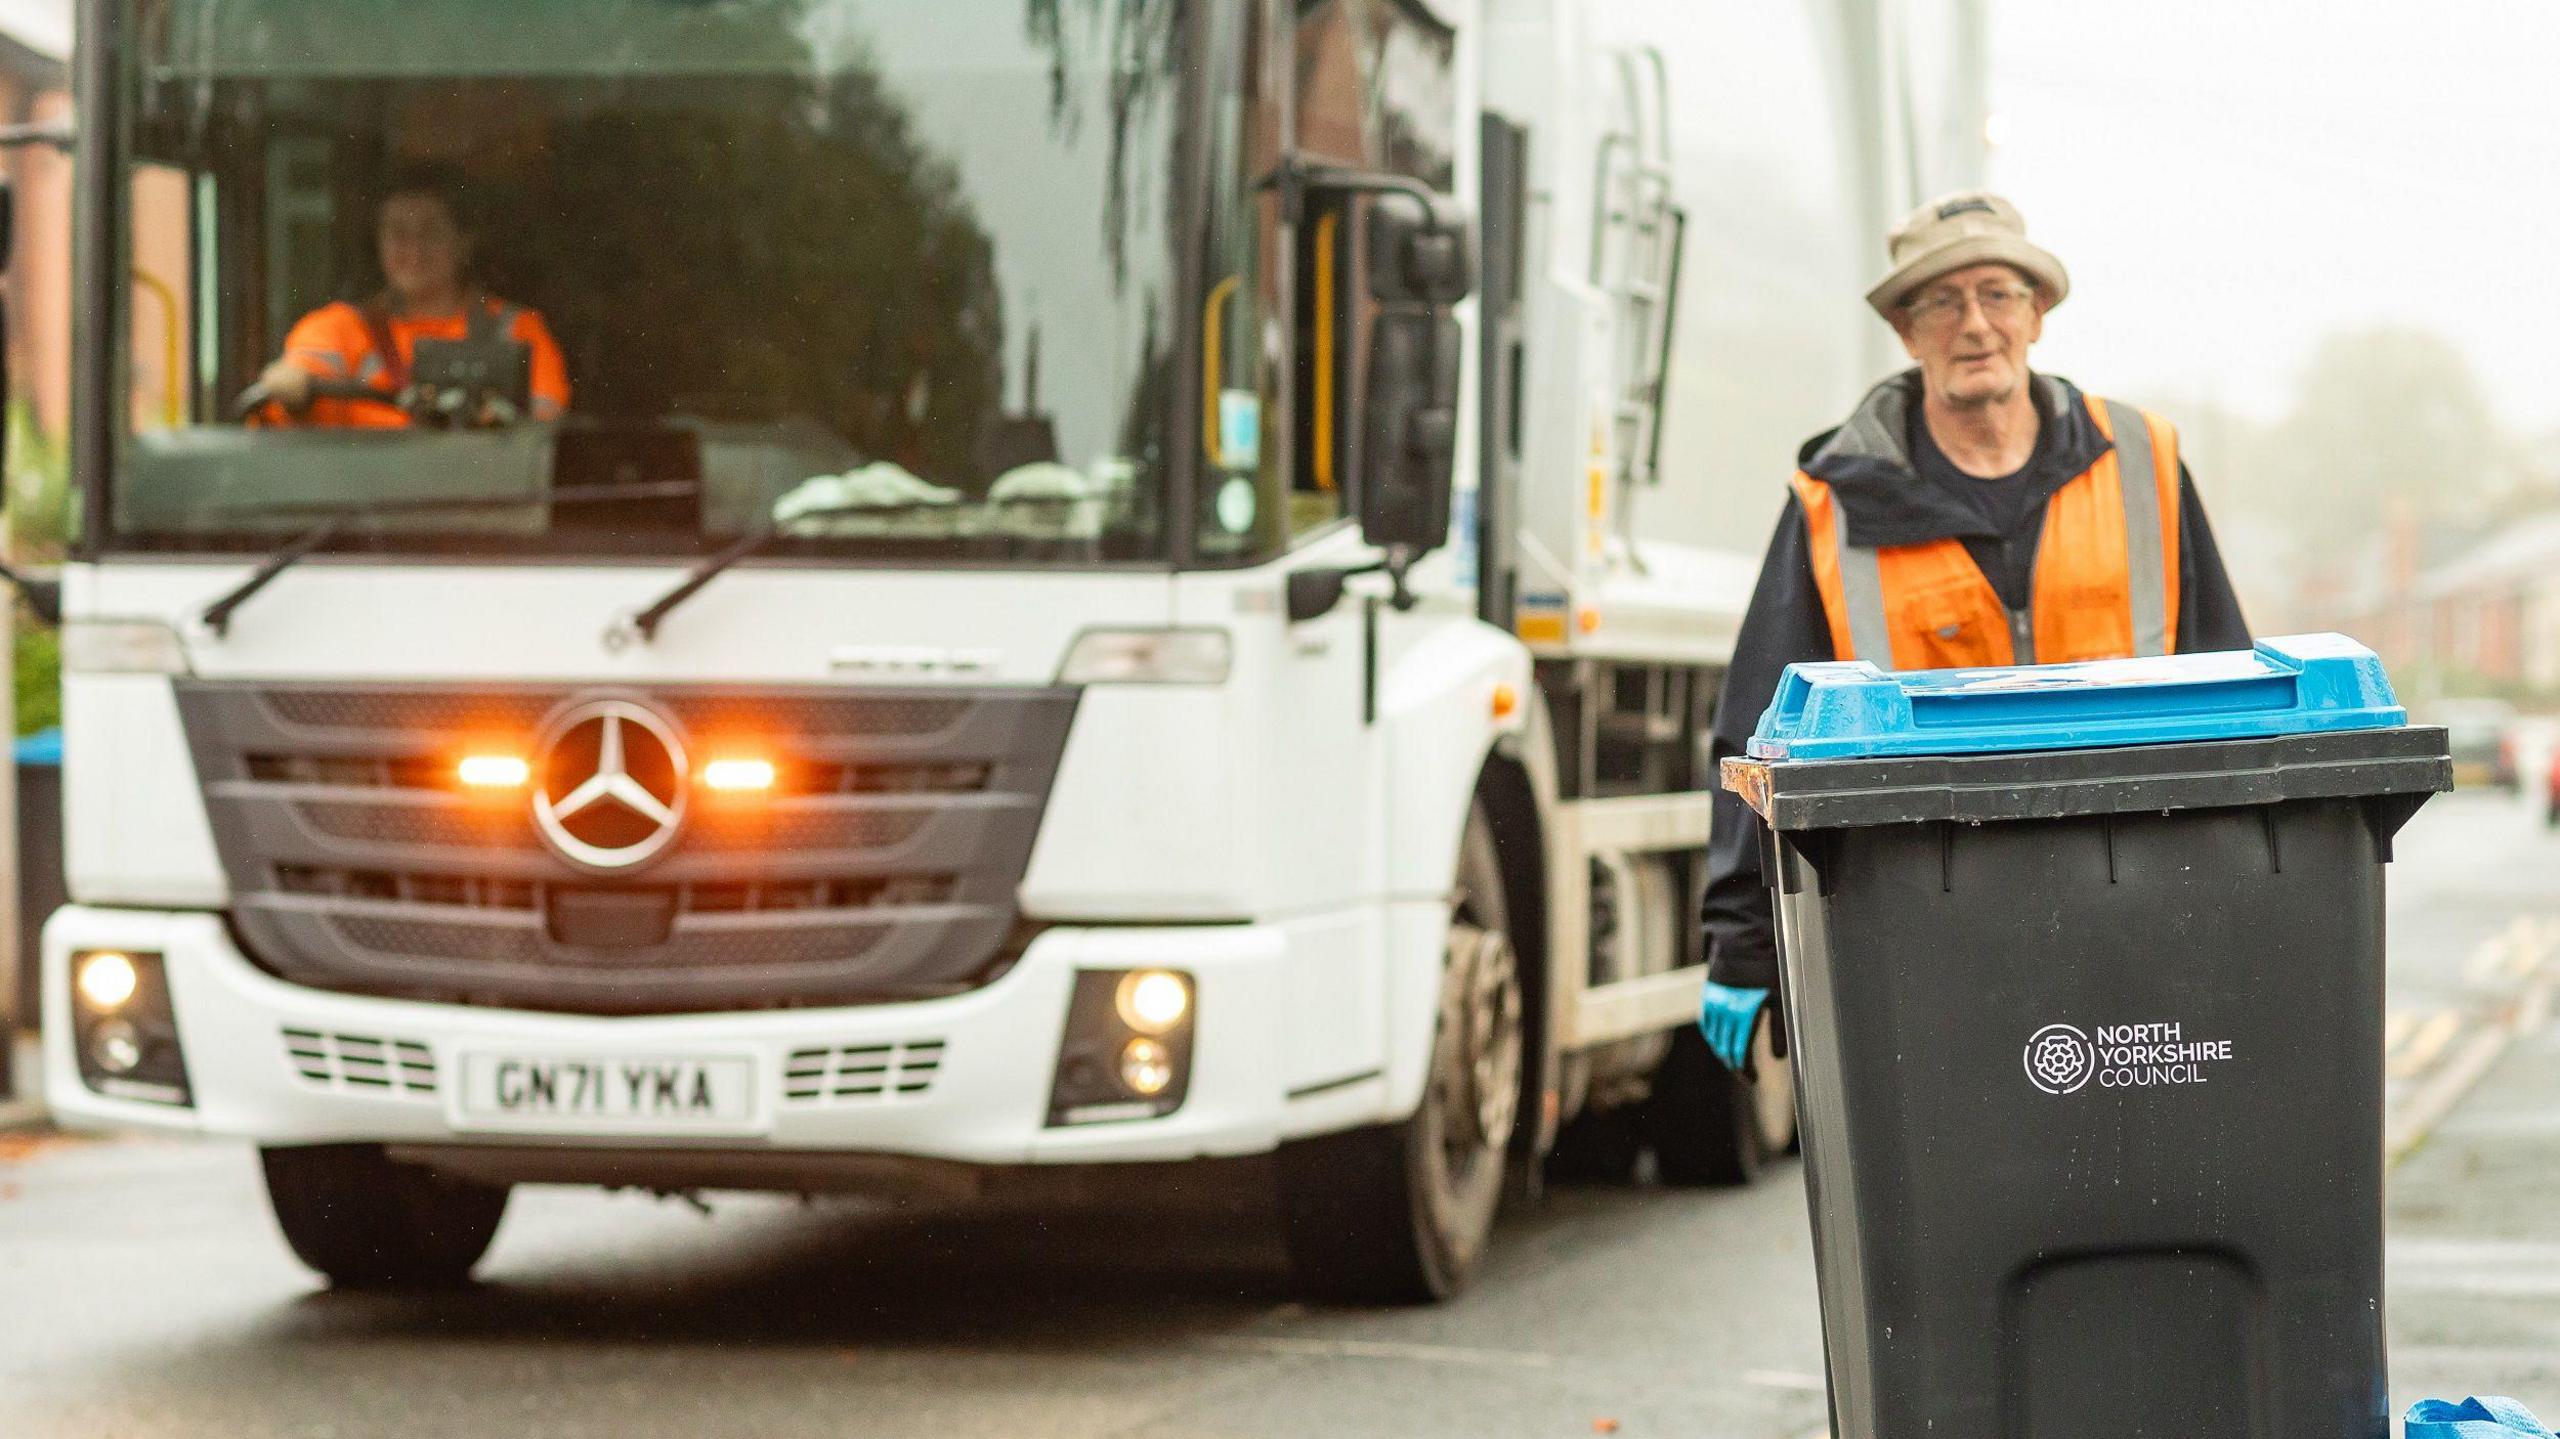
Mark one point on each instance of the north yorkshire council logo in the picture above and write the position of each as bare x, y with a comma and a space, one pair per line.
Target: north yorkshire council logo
2060, 1059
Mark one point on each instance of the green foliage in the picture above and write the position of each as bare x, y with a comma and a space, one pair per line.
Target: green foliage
38, 676
39, 490
40, 517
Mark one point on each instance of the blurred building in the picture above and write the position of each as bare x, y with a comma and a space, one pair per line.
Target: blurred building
2485, 621
35, 54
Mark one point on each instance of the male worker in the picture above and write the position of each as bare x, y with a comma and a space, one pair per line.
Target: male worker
425, 243
1970, 512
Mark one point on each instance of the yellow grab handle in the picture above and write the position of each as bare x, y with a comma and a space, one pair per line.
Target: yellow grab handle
1213, 366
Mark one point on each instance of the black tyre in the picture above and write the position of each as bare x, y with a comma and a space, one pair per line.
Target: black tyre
368, 1222
1402, 1213
1709, 1127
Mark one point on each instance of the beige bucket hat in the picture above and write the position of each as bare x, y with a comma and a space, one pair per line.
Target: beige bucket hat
1969, 227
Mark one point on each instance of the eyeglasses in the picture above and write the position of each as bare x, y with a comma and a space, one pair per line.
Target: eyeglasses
1940, 309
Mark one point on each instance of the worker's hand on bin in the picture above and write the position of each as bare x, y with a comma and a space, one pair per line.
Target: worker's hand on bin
1728, 1017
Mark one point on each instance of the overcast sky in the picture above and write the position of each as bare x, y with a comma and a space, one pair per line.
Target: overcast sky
2230, 179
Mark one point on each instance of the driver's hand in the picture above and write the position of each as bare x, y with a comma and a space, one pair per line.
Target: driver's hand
287, 383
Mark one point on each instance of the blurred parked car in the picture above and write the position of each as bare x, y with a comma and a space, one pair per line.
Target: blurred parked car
2481, 734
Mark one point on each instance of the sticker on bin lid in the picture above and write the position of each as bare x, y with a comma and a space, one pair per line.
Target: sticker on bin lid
2300, 684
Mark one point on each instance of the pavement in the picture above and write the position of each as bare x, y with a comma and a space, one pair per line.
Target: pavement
143, 1291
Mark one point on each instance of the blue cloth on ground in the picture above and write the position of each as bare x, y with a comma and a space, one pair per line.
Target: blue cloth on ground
2478, 1418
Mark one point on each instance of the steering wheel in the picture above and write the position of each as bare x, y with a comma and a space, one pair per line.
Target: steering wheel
257, 397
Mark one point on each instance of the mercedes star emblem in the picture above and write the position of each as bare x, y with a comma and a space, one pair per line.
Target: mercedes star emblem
612, 785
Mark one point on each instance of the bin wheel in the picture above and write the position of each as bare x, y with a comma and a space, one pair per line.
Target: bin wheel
1401, 1213
367, 1221
1709, 1127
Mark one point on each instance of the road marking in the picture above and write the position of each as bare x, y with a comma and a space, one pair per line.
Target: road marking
2489, 959
1386, 1349
2395, 1030
1783, 1379
2426, 1106
2536, 936
2425, 1046
2474, 1360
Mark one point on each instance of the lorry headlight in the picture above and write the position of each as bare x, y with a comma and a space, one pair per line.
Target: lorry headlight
122, 647
116, 1046
106, 980
1147, 657
1152, 1001
1146, 1067
124, 1028
1126, 1053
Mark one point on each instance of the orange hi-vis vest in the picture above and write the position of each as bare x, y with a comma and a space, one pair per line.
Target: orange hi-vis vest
2105, 571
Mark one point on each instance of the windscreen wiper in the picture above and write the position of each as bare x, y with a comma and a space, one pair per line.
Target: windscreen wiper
644, 625
335, 520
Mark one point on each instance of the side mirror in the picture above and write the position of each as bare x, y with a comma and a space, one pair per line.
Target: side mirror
1415, 265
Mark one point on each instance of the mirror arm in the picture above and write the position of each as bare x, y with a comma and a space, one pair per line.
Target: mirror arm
1398, 564
1296, 175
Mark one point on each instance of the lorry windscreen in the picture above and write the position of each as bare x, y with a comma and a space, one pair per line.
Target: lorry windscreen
895, 279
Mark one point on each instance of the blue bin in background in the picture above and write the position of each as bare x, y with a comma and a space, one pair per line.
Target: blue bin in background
40, 883
2083, 977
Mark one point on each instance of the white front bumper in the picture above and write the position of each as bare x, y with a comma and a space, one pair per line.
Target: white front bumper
987, 1102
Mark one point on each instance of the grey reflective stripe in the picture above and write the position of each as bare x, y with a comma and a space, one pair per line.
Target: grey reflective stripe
1862, 592
2145, 562
371, 369
330, 360
491, 322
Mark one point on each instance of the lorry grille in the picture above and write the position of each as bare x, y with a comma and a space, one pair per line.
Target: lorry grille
360, 1062
882, 866
862, 1073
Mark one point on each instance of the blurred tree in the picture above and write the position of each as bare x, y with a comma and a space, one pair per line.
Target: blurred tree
1140, 51
806, 253
2383, 415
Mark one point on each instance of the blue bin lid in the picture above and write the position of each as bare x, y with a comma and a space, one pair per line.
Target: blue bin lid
44, 747
2300, 684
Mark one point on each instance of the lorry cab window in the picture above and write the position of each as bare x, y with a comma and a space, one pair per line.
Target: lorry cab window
807, 257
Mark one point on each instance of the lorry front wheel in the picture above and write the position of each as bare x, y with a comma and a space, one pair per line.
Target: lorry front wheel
1401, 1214
367, 1221
1709, 1126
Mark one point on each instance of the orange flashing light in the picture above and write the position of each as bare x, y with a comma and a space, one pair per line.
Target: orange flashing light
1588, 620
493, 771
1506, 702
738, 775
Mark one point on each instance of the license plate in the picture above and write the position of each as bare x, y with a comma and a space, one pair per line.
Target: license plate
618, 1092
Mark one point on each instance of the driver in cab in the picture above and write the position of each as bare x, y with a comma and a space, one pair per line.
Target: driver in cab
340, 355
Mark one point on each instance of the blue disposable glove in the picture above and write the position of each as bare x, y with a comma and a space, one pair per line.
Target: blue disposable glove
2483, 1418
1728, 1017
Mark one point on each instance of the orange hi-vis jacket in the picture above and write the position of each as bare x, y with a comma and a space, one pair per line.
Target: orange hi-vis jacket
346, 341
2106, 563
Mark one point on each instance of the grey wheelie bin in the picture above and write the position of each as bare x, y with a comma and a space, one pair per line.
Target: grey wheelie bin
2083, 973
